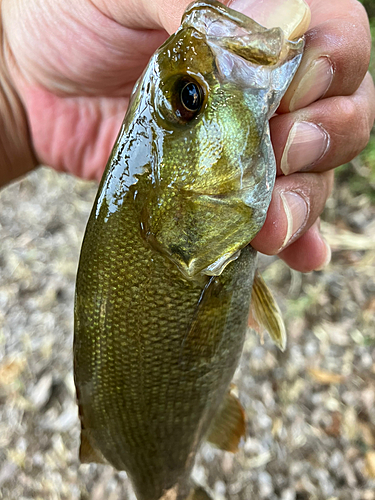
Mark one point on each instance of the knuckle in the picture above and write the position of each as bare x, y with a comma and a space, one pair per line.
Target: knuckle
353, 49
364, 137
359, 11
364, 44
350, 124
363, 126
345, 111
347, 42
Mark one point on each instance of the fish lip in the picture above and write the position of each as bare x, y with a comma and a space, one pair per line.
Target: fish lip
235, 31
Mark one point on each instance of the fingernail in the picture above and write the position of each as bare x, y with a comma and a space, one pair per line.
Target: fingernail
306, 144
296, 210
314, 84
327, 260
292, 16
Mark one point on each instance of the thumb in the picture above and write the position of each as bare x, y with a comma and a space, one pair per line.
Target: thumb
293, 16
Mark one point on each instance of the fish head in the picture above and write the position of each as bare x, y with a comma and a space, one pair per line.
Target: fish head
202, 165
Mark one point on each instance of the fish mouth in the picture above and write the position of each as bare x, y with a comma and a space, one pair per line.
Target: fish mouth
240, 34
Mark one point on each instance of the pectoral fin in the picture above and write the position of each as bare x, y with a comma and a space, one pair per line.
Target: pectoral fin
87, 453
229, 425
266, 312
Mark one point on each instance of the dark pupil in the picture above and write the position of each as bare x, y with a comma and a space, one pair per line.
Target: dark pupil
190, 97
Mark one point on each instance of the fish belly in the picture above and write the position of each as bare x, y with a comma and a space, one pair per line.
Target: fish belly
154, 353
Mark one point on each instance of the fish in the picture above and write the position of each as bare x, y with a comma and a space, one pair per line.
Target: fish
166, 273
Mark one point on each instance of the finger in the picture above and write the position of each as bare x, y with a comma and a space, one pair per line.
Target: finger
326, 134
291, 15
309, 253
336, 56
145, 14
297, 201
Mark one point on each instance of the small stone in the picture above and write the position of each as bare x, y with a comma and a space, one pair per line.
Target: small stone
41, 392
7, 472
325, 484
368, 495
336, 461
288, 494
220, 488
66, 420
265, 485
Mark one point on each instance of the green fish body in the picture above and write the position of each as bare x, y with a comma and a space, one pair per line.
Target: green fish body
166, 273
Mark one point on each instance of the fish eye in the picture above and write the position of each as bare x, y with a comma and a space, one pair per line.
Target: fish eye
191, 97
181, 99
187, 101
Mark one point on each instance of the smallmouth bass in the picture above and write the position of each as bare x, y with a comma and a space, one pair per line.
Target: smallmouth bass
166, 273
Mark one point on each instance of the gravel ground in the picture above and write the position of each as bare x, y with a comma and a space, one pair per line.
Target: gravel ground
311, 409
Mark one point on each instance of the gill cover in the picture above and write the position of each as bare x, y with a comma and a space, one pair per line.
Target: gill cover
194, 150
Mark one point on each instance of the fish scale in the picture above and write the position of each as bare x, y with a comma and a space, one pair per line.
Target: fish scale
166, 274
158, 372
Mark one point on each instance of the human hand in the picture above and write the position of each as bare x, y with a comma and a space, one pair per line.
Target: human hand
86, 56
74, 66
324, 121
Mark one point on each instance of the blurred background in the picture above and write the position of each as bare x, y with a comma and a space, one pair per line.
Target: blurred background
311, 409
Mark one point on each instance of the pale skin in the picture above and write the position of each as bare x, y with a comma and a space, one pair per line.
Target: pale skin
68, 66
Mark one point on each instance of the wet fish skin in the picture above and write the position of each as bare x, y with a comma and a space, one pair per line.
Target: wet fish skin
160, 314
